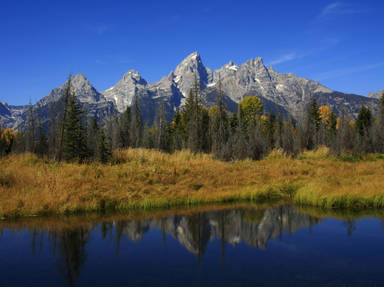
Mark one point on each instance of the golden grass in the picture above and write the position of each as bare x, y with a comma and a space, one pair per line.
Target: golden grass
143, 179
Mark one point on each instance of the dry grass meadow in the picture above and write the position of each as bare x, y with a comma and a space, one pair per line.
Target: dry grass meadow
146, 179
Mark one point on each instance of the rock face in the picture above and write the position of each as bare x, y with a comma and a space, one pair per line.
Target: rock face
10, 115
123, 93
92, 102
287, 93
377, 95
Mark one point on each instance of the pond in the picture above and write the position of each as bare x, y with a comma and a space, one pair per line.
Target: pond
211, 246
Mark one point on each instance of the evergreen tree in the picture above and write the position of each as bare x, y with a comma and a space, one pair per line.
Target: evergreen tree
161, 133
178, 131
378, 135
311, 129
279, 132
125, 126
30, 133
289, 141
42, 144
93, 138
233, 123
74, 143
65, 101
364, 121
257, 142
193, 112
104, 150
218, 121
113, 132
136, 124
270, 129
52, 132
363, 127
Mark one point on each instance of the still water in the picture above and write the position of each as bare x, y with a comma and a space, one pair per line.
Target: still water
233, 246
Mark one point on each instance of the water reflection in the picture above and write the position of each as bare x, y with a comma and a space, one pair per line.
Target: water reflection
68, 239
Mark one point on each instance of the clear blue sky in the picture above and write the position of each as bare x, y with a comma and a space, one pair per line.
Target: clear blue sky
339, 43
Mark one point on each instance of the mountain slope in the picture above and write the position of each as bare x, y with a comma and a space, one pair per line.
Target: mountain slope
93, 103
282, 93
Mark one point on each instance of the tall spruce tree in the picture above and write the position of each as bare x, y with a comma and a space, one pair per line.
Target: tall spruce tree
220, 124
93, 138
104, 150
31, 129
136, 124
125, 127
42, 143
65, 101
74, 143
312, 127
161, 132
378, 131
178, 131
194, 117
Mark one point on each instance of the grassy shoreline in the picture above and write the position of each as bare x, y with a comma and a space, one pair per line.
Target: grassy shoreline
145, 179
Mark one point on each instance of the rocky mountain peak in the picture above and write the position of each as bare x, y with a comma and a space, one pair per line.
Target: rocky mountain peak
80, 82
185, 73
285, 93
377, 95
134, 76
125, 90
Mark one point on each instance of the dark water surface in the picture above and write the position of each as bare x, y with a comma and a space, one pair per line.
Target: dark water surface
242, 246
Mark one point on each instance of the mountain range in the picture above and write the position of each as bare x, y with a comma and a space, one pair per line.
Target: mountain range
283, 93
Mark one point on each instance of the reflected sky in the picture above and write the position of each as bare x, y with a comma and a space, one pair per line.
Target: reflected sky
230, 247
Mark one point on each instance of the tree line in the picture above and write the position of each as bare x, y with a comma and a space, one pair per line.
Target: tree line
249, 133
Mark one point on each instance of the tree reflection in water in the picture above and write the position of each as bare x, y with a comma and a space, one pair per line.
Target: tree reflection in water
193, 231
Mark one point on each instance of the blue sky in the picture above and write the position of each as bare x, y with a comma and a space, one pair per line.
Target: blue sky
339, 43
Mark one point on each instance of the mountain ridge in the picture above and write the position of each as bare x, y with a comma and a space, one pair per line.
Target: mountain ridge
285, 93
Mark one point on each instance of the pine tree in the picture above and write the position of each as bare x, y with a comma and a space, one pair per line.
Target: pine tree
136, 125
93, 138
104, 150
233, 123
66, 100
278, 136
30, 133
125, 126
311, 129
219, 124
42, 144
364, 121
74, 143
161, 135
194, 117
116, 133
270, 129
378, 135
2, 142
178, 131
363, 127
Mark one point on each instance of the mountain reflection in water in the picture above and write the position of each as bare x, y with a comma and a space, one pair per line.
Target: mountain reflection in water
68, 239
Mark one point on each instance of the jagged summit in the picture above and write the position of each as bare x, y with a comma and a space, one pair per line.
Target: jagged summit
193, 56
286, 93
79, 77
377, 95
185, 72
134, 75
